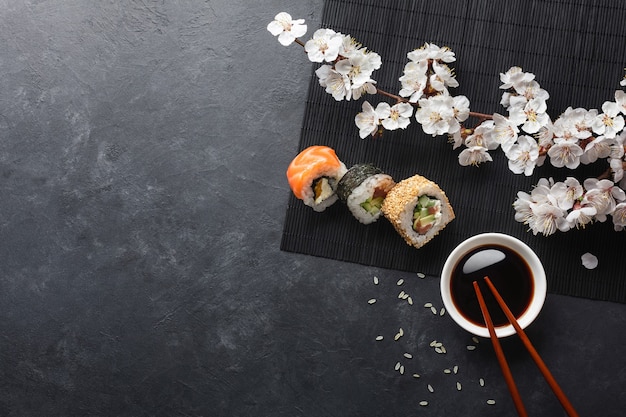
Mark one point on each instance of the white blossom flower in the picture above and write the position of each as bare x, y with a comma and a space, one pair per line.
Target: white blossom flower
460, 106
623, 82
617, 168
619, 217
523, 155
547, 219
541, 192
324, 46
565, 153
523, 213
431, 51
602, 194
517, 115
504, 132
567, 192
599, 148
617, 149
531, 90
442, 77
536, 116
610, 122
335, 84
358, 69
581, 215
515, 76
456, 139
474, 155
414, 80
574, 124
483, 135
367, 121
545, 140
367, 88
620, 100
395, 117
286, 28
505, 101
436, 115
589, 260
349, 46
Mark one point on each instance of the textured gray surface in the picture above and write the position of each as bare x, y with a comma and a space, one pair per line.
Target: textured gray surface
142, 154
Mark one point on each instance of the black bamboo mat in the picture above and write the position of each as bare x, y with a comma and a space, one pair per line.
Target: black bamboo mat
577, 51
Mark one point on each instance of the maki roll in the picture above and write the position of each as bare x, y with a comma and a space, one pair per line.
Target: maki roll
313, 176
418, 209
363, 189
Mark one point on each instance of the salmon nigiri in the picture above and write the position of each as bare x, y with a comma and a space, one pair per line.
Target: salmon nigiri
313, 176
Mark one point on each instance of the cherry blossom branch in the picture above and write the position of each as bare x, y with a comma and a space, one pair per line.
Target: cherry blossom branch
480, 116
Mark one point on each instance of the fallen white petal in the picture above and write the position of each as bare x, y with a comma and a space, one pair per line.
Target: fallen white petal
589, 261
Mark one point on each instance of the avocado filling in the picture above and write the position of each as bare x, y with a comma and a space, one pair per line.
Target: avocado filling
426, 214
323, 189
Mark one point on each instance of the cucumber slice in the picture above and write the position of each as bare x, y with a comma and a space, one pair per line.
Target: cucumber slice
373, 205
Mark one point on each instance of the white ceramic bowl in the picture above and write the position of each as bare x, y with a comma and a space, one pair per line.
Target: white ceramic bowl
538, 274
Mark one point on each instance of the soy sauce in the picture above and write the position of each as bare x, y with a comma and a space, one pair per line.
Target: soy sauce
508, 272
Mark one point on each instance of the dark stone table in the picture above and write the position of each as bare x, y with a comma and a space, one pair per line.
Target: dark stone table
143, 146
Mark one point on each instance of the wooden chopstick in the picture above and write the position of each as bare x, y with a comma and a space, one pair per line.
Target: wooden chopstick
504, 366
533, 352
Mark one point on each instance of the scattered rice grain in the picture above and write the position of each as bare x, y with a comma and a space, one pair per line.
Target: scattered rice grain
438, 350
397, 367
491, 402
434, 310
443, 311
423, 403
400, 282
416, 375
433, 343
455, 369
430, 388
458, 386
475, 340
446, 371
409, 300
428, 305
471, 347
401, 294
419, 274
402, 370
399, 334
443, 349
379, 337
408, 355
481, 382
376, 280
371, 301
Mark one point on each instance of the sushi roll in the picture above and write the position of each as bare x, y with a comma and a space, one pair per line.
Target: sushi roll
418, 209
363, 189
313, 176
